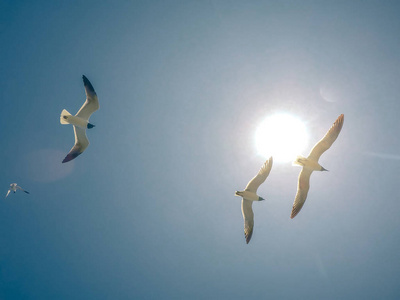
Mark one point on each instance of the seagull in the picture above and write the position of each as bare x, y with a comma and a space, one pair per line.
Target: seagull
311, 164
14, 187
81, 121
249, 195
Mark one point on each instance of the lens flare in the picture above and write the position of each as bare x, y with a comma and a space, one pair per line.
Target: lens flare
282, 136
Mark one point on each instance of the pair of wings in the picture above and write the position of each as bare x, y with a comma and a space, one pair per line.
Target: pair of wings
18, 187
90, 106
324, 144
252, 186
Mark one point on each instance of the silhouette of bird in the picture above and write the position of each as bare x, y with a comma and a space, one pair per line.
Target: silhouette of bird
14, 187
81, 121
311, 164
249, 195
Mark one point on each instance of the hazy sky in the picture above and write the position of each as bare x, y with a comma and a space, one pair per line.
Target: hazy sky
148, 211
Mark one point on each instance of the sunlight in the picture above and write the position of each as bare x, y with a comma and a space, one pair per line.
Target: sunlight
282, 136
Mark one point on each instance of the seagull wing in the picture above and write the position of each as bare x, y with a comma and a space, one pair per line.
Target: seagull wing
8, 193
326, 142
81, 143
303, 186
91, 104
20, 188
253, 184
248, 217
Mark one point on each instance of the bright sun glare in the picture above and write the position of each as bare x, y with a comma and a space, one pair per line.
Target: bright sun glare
282, 136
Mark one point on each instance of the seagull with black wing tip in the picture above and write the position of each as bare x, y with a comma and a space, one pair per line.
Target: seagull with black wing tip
311, 164
249, 195
14, 187
80, 121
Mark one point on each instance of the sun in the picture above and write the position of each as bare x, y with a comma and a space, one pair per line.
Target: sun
282, 136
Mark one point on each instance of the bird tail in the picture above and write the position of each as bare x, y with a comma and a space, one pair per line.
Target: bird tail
299, 161
64, 116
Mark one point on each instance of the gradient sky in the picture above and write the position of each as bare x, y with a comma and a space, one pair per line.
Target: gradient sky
148, 211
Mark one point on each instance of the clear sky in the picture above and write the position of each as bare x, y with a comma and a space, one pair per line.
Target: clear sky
148, 211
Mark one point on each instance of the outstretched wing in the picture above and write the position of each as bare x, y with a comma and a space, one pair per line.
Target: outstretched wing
248, 217
91, 104
253, 184
81, 143
20, 188
326, 142
303, 186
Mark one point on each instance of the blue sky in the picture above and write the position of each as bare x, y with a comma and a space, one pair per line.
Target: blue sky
148, 211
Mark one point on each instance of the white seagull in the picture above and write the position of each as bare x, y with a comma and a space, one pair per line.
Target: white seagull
14, 187
311, 164
249, 195
81, 121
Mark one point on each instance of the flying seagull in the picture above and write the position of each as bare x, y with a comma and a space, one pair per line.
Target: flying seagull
81, 121
14, 187
249, 195
311, 164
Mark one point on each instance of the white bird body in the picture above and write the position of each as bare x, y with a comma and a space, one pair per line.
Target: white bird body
13, 188
67, 118
308, 163
80, 121
249, 195
311, 164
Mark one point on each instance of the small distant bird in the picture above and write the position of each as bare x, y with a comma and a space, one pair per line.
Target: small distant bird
311, 164
81, 121
14, 187
249, 195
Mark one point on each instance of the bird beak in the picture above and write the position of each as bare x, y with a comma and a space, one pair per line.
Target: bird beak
261, 199
323, 169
